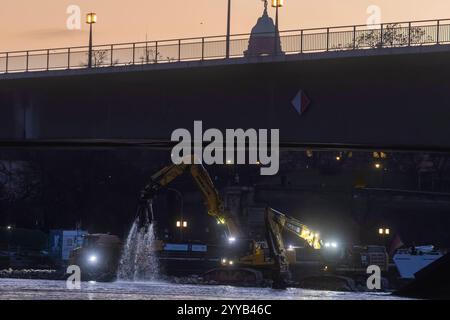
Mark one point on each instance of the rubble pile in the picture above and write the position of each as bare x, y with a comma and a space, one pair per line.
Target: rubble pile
32, 274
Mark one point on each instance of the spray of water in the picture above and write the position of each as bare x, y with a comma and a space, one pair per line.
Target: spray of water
139, 261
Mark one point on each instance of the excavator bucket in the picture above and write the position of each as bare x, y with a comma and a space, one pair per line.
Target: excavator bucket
145, 214
280, 280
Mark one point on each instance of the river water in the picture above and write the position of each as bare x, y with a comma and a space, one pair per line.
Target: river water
22, 289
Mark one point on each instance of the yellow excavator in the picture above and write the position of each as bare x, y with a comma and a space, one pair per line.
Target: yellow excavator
247, 260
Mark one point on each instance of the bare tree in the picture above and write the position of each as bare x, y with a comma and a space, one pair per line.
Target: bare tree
99, 59
393, 35
19, 180
151, 55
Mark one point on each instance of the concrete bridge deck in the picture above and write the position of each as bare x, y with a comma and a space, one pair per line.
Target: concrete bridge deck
384, 97
300, 57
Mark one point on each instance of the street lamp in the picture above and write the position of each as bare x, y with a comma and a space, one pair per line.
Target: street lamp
9, 228
91, 18
181, 224
277, 4
384, 234
228, 29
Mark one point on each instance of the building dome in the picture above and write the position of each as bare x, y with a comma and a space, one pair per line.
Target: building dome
262, 38
265, 24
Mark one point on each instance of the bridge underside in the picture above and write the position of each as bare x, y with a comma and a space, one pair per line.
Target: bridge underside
370, 100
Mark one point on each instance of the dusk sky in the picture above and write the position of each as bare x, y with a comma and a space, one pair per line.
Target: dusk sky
39, 24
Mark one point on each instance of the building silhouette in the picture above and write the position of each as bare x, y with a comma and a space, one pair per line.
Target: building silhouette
262, 39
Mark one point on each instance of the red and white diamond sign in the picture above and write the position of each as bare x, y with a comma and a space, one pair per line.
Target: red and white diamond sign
301, 102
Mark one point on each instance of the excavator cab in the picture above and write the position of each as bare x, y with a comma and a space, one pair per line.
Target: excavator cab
250, 262
240, 264
243, 252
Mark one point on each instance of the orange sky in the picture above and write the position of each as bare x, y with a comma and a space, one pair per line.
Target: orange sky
34, 24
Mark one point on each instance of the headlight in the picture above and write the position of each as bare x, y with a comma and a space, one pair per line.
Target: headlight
231, 262
92, 259
231, 239
332, 245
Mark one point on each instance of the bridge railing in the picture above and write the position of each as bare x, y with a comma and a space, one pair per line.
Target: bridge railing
360, 37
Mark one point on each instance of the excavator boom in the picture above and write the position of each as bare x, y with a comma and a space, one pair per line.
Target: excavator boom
276, 222
202, 179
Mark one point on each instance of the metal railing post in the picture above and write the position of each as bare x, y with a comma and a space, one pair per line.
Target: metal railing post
156, 52
68, 58
354, 37
112, 59
203, 49
48, 59
409, 34
328, 39
301, 41
438, 31
381, 36
134, 52
146, 58
28, 56
7, 62
227, 49
179, 50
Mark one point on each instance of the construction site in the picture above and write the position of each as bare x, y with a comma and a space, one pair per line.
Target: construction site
276, 164
317, 225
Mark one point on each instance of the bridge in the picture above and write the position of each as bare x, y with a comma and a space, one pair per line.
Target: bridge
382, 86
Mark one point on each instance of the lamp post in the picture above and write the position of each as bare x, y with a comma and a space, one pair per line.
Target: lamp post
228, 29
277, 4
181, 224
384, 234
9, 229
91, 18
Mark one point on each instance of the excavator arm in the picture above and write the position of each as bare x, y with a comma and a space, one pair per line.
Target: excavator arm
276, 222
202, 179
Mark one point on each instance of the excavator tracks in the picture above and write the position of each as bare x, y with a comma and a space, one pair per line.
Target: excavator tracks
235, 276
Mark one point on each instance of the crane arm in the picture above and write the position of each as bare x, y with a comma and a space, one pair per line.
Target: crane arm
202, 179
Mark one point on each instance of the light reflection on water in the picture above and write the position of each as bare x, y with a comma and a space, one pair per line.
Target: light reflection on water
45, 289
